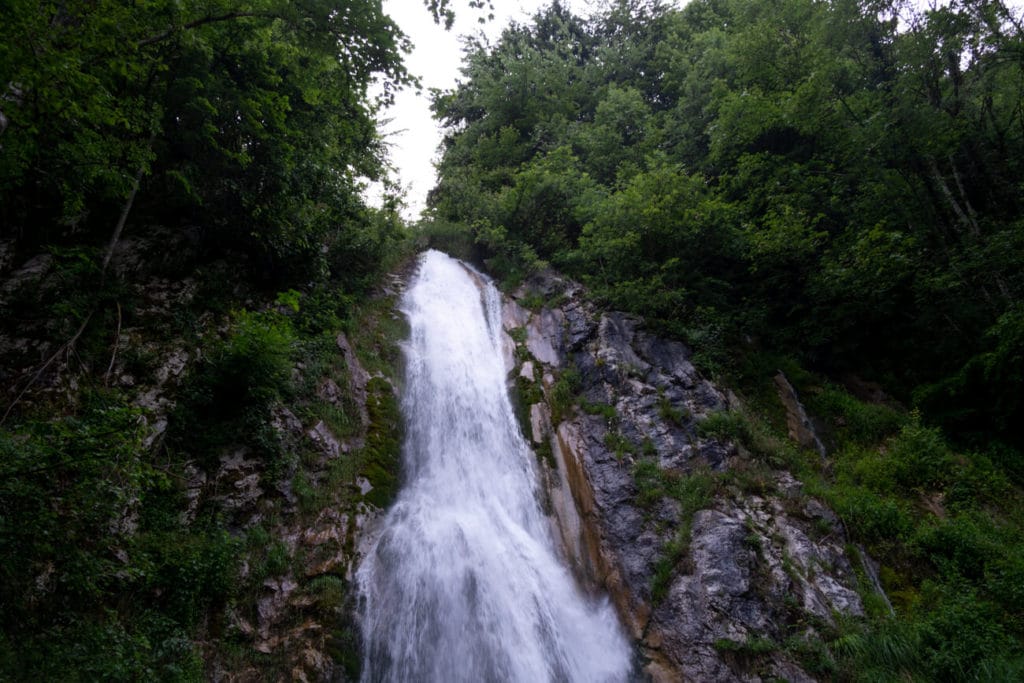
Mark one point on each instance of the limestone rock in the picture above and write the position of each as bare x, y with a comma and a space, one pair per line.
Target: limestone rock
543, 336
526, 372
513, 315
751, 558
540, 422
358, 377
801, 428
325, 440
237, 481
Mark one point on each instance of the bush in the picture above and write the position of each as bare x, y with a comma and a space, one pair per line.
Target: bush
871, 517
854, 420
228, 398
563, 394
921, 458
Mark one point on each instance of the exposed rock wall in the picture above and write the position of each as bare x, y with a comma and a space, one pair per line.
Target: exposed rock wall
761, 563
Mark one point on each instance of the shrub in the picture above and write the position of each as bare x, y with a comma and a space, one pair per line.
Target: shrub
854, 420
871, 517
563, 394
228, 398
921, 458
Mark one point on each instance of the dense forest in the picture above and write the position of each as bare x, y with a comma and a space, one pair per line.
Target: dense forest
838, 180
834, 188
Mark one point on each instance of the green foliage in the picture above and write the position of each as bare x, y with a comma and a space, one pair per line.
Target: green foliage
793, 175
619, 444
191, 571
748, 431
68, 487
290, 299
563, 394
380, 456
752, 647
248, 119
677, 416
853, 420
603, 409
228, 399
329, 591
454, 239
692, 491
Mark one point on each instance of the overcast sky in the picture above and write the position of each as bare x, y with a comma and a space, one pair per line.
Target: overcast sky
412, 135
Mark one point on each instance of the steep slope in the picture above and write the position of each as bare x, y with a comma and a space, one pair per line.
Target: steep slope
183, 490
722, 566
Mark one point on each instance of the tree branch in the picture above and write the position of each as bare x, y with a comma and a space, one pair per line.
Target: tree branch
230, 16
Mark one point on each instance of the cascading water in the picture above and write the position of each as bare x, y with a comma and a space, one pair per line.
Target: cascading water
464, 583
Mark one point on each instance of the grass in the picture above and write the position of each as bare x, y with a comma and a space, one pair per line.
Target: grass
693, 492
946, 524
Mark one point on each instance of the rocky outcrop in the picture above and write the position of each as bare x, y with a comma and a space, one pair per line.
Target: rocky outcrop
798, 422
296, 499
710, 590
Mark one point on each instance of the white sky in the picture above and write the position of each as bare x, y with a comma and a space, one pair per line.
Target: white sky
411, 133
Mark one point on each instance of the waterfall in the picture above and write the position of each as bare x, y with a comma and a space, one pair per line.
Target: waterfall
464, 582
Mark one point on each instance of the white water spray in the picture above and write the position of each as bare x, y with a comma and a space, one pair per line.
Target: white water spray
464, 583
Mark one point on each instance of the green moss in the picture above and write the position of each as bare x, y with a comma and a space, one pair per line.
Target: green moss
380, 458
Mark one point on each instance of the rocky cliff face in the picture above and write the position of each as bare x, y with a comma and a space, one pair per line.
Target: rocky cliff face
720, 566
291, 490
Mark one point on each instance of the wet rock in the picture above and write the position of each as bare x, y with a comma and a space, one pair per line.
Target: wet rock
270, 609
172, 366
513, 315
237, 481
615, 334
195, 482
544, 336
358, 377
284, 421
580, 322
540, 422
364, 485
6, 251
801, 428
329, 391
32, 273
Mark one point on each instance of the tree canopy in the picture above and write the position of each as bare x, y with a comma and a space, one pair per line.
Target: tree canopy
840, 180
250, 119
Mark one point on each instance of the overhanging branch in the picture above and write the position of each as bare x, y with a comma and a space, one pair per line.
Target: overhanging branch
231, 16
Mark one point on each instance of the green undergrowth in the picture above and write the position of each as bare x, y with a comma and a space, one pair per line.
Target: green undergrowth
84, 597
946, 524
104, 576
